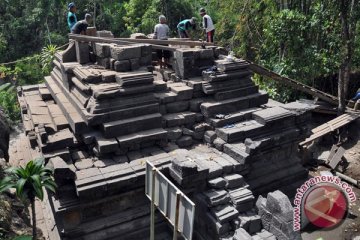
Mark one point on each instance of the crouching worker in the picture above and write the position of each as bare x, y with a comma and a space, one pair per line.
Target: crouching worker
81, 26
185, 26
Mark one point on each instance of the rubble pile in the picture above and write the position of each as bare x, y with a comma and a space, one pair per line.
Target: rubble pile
103, 112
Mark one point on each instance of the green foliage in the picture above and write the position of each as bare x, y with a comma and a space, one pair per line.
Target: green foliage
46, 57
23, 238
58, 39
299, 39
29, 180
24, 72
8, 102
135, 10
142, 15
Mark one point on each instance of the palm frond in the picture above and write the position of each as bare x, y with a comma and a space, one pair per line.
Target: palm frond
29, 180
20, 188
50, 185
6, 183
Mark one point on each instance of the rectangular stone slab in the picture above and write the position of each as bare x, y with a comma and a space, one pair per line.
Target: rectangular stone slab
82, 52
183, 92
224, 213
239, 116
143, 136
74, 118
276, 115
102, 49
214, 87
240, 131
87, 75
234, 181
216, 197
240, 92
166, 97
131, 125
133, 78
106, 145
224, 65
218, 77
125, 52
132, 112
80, 85
210, 109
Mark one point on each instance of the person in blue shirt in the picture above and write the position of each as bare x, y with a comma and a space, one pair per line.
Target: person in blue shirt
357, 95
71, 17
185, 26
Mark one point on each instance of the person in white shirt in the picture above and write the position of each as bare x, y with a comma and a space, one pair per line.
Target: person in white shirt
208, 26
161, 32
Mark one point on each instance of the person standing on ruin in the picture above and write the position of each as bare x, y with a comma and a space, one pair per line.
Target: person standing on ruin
208, 26
71, 16
81, 26
185, 26
161, 32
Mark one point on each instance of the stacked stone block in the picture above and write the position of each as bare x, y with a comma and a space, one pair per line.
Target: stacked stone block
97, 125
276, 215
123, 58
191, 62
220, 192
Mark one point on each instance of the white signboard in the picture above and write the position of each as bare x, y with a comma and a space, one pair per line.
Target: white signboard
171, 202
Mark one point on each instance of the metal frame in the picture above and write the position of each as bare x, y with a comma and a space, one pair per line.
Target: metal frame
177, 208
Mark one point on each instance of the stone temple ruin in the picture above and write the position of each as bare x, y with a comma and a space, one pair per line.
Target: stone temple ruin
103, 112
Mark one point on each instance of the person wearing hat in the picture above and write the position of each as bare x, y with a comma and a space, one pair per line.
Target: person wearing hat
71, 17
185, 26
161, 32
208, 26
81, 26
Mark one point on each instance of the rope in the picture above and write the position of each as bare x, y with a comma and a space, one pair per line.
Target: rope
28, 58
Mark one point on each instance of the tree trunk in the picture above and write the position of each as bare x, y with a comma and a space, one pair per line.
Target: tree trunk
344, 72
94, 17
34, 232
341, 106
347, 79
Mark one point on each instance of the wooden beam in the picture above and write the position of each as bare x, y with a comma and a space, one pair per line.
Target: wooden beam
168, 42
293, 83
85, 38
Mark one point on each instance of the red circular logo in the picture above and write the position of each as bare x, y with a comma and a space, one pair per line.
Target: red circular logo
325, 206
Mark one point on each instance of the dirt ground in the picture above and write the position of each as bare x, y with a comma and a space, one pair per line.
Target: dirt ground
350, 228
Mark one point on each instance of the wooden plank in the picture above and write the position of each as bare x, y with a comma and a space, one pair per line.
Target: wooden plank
327, 128
332, 153
337, 158
338, 120
334, 126
114, 40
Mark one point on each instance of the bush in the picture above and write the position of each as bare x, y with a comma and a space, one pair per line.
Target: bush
9, 104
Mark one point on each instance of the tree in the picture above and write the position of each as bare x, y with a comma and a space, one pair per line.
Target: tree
29, 182
349, 12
